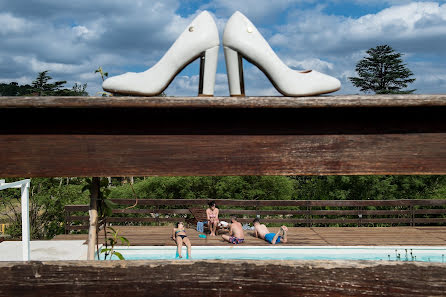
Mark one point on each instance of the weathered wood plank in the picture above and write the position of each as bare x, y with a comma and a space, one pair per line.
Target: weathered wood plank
363, 212
226, 102
110, 155
77, 218
223, 136
283, 203
261, 212
430, 220
148, 211
72, 208
130, 219
77, 227
430, 211
222, 278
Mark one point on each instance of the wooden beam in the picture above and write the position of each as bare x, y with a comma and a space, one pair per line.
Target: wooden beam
222, 278
134, 136
173, 155
337, 101
276, 203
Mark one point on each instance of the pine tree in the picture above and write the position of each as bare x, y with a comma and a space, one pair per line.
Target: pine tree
382, 72
42, 87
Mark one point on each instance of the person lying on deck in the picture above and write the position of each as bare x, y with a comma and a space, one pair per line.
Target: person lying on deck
180, 237
261, 231
236, 234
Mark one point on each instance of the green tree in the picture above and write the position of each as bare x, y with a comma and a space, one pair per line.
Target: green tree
76, 90
48, 197
14, 89
203, 187
370, 187
43, 87
383, 72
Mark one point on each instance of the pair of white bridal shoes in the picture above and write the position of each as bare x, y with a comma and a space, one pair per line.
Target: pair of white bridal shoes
241, 39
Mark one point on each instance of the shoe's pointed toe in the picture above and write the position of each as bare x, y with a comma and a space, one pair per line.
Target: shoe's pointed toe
324, 83
308, 83
117, 84
109, 84
336, 84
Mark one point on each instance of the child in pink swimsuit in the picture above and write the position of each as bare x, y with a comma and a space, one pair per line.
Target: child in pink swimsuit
212, 216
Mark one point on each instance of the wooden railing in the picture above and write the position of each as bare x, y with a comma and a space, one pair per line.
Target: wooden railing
298, 212
222, 136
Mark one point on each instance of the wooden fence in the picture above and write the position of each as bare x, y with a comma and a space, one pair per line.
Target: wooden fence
298, 212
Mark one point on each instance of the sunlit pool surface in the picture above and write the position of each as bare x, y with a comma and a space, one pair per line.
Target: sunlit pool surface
377, 253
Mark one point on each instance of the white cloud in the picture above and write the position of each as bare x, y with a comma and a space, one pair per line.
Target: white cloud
311, 63
400, 26
390, 2
406, 21
84, 33
39, 66
12, 25
23, 80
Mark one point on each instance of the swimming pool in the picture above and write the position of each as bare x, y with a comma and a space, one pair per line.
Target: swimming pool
384, 253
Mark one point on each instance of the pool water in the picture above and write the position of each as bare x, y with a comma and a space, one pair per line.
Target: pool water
383, 253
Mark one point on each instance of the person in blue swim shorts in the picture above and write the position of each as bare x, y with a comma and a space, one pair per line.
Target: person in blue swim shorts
261, 231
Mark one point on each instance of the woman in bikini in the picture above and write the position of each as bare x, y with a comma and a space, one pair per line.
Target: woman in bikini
212, 215
180, 237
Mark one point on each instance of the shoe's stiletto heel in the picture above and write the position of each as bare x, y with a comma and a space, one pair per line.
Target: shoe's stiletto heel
242, 39
198, 41
208, 69
234, 68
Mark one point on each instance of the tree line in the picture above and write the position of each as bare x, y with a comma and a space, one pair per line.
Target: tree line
42, 86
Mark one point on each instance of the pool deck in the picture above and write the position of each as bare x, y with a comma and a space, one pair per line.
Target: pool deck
316, 236
45, 250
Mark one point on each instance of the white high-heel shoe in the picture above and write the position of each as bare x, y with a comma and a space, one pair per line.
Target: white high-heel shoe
241, 39
199, 40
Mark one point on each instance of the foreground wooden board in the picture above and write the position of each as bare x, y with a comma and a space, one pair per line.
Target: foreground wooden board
227, 102
222, 278
135, 136
173, 155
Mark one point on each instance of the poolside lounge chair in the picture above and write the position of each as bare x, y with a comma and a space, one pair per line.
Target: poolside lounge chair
198, 215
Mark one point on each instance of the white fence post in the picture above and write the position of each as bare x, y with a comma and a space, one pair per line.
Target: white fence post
25, 222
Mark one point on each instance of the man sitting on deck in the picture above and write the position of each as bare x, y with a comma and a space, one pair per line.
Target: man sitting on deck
273, 238
236, 234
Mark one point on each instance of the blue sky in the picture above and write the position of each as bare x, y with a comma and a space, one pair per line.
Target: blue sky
73, 38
